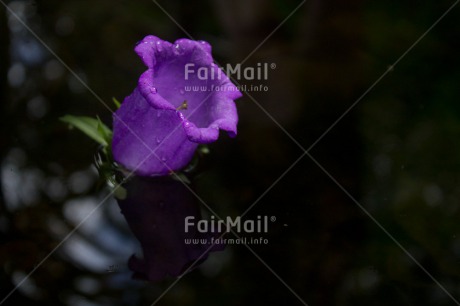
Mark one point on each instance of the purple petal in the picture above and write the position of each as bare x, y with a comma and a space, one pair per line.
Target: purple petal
148, 139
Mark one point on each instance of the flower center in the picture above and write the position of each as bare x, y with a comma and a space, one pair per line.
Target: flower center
183, 106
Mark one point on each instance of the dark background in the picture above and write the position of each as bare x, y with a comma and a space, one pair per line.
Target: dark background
397, 152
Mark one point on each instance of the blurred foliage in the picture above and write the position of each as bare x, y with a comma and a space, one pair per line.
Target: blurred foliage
395, 152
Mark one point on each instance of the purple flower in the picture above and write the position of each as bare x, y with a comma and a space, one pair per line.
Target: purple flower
182, 100
155, 209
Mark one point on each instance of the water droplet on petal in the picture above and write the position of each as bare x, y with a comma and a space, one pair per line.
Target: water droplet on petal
158, 139
159, 46
163, 159
182, 91
180, 115
153, 90
177, 49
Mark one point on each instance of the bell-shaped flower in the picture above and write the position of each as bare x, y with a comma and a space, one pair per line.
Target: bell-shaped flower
182, 100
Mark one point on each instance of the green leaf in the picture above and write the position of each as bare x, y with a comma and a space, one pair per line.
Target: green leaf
94, 128
120, 192
104, 131
204, 149
116, 102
